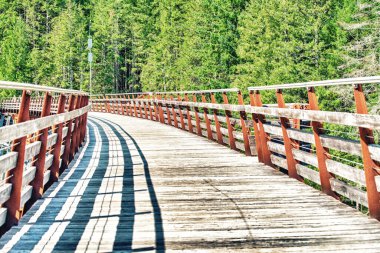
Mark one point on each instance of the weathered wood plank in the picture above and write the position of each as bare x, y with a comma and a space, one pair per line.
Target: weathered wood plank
5, 192
3, 215
8, 161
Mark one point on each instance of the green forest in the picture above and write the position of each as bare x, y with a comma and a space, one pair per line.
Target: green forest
178, 44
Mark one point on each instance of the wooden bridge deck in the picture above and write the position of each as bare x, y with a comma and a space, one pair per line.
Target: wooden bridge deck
138, 185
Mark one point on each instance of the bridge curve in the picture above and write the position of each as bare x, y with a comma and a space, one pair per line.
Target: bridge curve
138, 185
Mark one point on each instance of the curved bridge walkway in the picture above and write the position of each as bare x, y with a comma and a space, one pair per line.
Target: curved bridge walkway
140, 186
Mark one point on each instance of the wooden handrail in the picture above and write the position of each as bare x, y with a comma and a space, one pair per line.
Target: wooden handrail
275, 133
37, 158
32, 87
335, 82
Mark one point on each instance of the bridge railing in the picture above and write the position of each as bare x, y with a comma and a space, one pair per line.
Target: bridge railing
297, 138
50, 127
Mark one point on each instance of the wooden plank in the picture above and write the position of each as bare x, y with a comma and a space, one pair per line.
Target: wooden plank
276, 147
29, 175
340, 118
12, 132
354, 174
46, 176
305, 157
279, 161
8, 162
48, 161
3, 215
308, 173
64, 132
349, 191
5, 192
52, 139
335, 82
32, 149
26, 194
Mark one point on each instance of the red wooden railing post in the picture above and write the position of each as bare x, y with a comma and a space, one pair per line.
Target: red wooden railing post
244, 128
106, 104
263, 135
161, 111
288, 143
73, 145
79, 124
54, 169
322, 152
150, 104
257, 130
168, 111
189, 118
207, 120
179, 99
84, 120
174, 113
146, 108
68, 139
230, 127
156, 108
371, 169
217, 124
38, 182
197, 120
15, 209
139, 106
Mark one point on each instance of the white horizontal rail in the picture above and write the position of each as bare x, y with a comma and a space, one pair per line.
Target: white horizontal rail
358, 80
32, 87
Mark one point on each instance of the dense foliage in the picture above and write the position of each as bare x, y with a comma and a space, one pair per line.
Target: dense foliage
179, 44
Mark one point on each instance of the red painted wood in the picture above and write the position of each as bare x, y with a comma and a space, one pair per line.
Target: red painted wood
244, 128
54, 169
263, 135
15, 210
216, 120
197, 119
257, 131
206, 119
68, 139
230, 127
38, 182
288, 143
322, 152
189, 118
